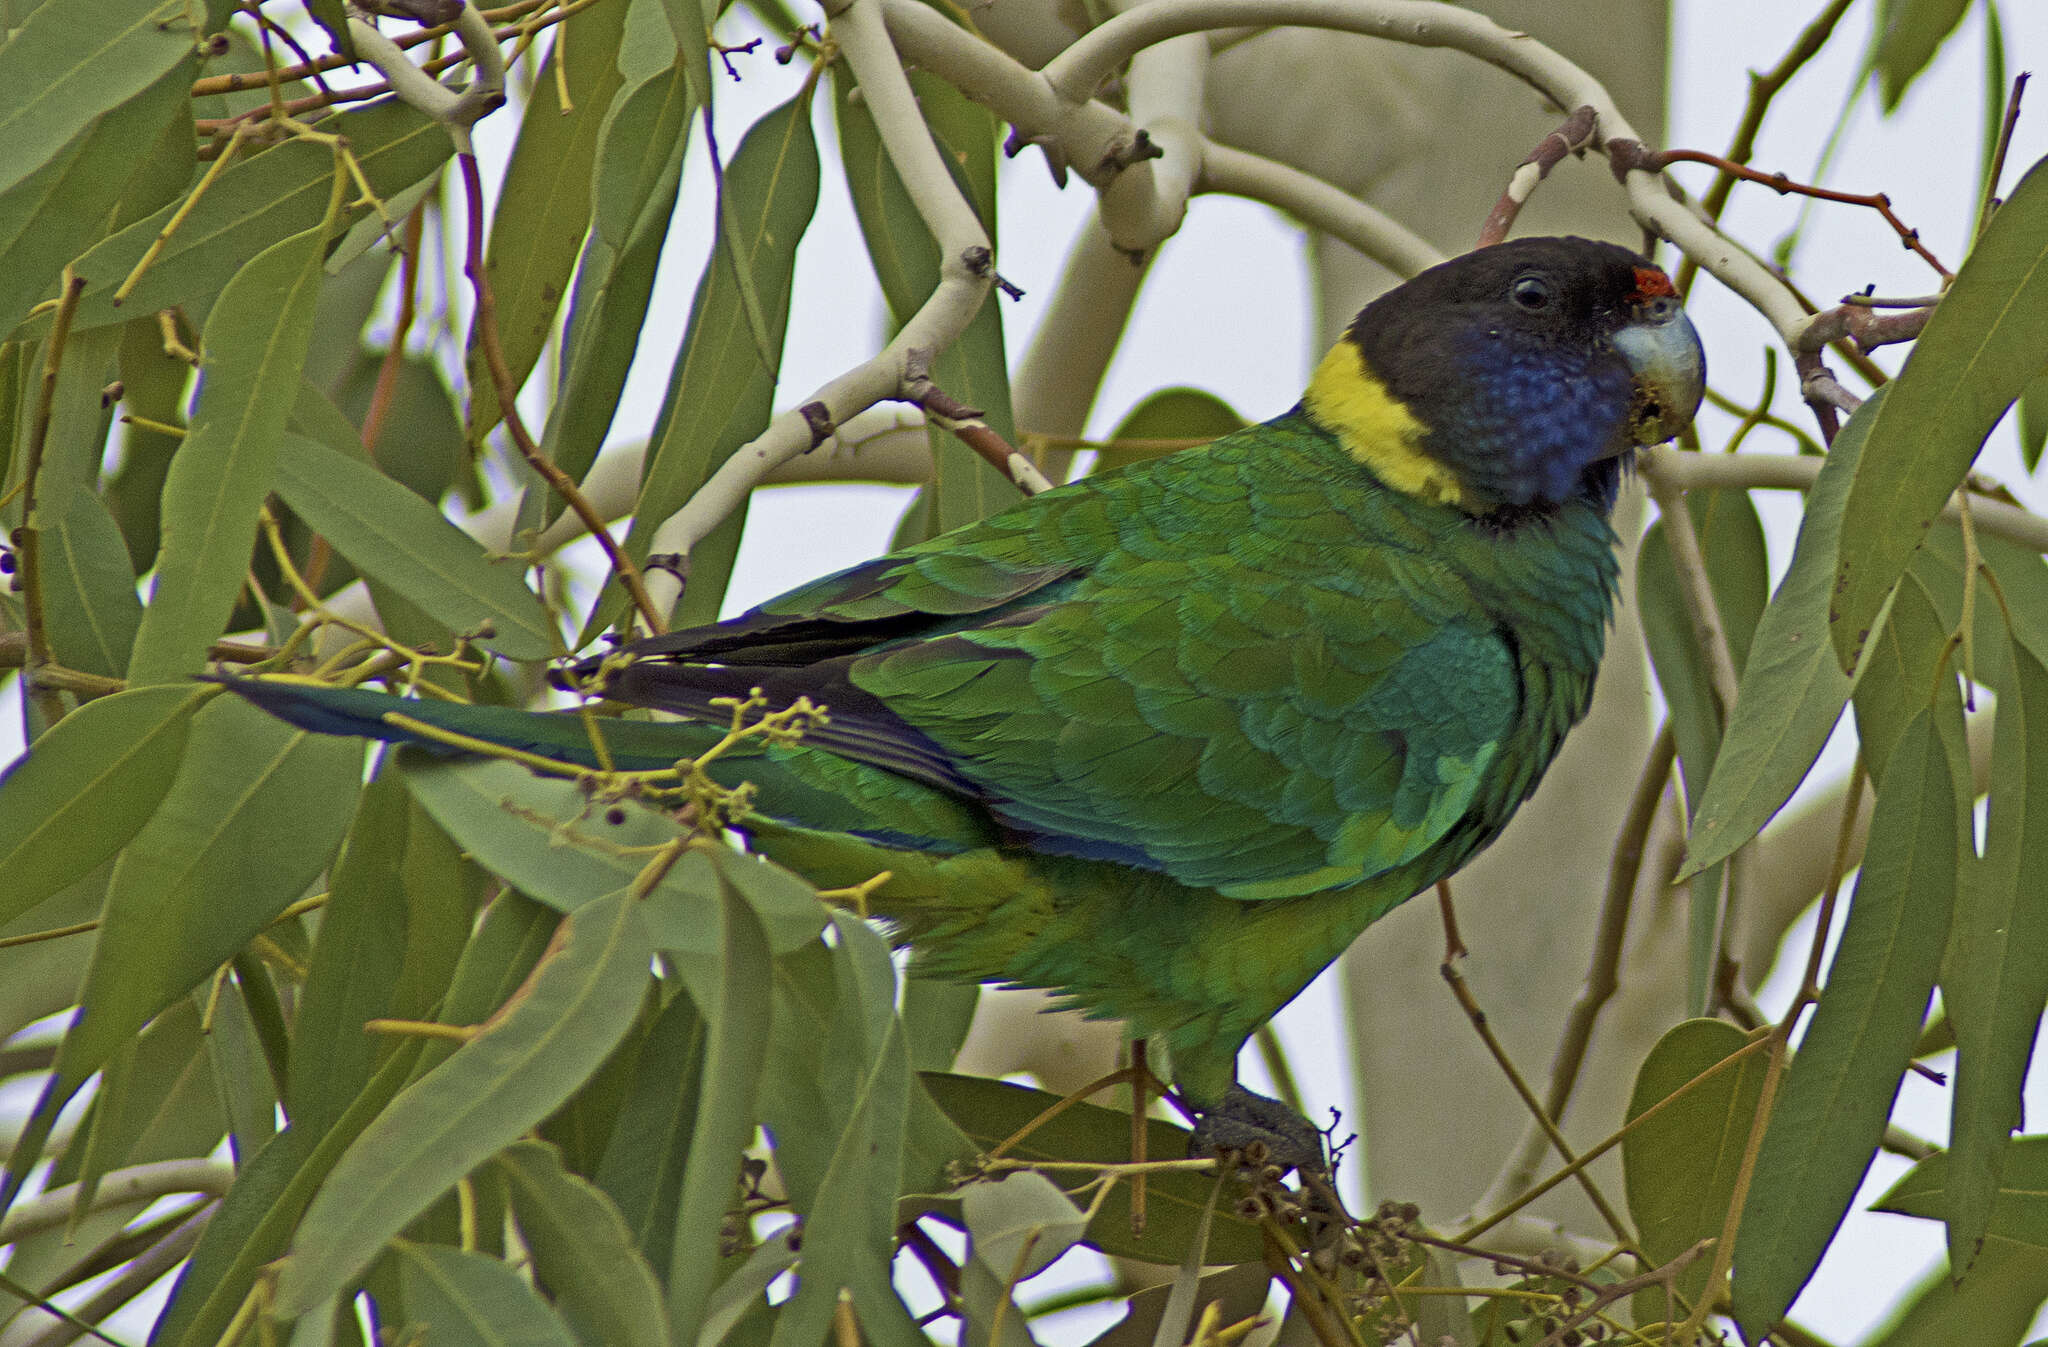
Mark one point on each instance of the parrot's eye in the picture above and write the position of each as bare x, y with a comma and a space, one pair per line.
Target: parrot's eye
1531, 293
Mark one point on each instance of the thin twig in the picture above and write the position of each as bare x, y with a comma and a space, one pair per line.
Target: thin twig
1602, 977
1453, 949
1763, 90
1784, 184
1571, 137
1989, 203
28, 538
943, 409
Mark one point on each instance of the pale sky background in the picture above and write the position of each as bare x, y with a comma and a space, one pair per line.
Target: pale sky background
1226, 310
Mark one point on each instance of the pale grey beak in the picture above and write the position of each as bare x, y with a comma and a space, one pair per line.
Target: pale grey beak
1670, 369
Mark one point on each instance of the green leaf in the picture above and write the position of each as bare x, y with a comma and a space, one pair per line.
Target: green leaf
394, 537
257, 201
88, 585
990, 1111
332, 16
67, 204
79, 416
1790, 694
256, 810
1980, 350
543, 209
153, 387
257, 1216
1909, 33
255, 343
72, 61
2020, 1215
86, 787
1832, 1108
643, 1164
1020, 1227
582, 1251
1900, 673
2034, 420
356, 963
721, 389
639, 170
526, 1059
465, 1299
1732, 538
1995, 1304
1680, 1165
1169, 414
1995, 976
849, 1228
733, 997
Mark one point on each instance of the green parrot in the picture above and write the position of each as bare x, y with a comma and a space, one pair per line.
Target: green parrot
1164, 741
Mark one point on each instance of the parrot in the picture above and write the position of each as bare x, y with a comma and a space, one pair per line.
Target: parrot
1165, 740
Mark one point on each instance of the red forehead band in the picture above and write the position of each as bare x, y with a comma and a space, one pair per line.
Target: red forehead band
1651, 283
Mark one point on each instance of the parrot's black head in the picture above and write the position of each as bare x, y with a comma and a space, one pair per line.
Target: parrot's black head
1520, 375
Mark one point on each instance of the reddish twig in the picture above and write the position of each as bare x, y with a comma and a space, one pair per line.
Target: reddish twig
950, 413
1571, 137
256, 79
1658, 160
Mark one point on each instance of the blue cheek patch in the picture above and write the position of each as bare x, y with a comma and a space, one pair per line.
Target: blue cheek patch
1537, 428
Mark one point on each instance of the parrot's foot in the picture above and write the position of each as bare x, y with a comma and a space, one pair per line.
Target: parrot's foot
1243, 1120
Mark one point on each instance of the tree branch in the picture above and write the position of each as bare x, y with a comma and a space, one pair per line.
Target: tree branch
1692, 471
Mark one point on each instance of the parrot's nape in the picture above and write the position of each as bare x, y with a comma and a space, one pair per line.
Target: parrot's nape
1165, 740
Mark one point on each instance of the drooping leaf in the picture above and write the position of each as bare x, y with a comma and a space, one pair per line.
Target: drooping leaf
734, 997
356, 963
521, 1064
86, 787
464, 1299
1900, 673
1979, 351
722, 387
1995, 975
1791, 693
907, 265
2034, 420
2021, 1214
1680, 1165
1909, 33
254, 813
543, 209
72, 61
47, 217
88, 585
582, 1251
259, 200
849, 1228
1995, 1303
636, 178
223, 470
393, 536
1831, 1111
540, 834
